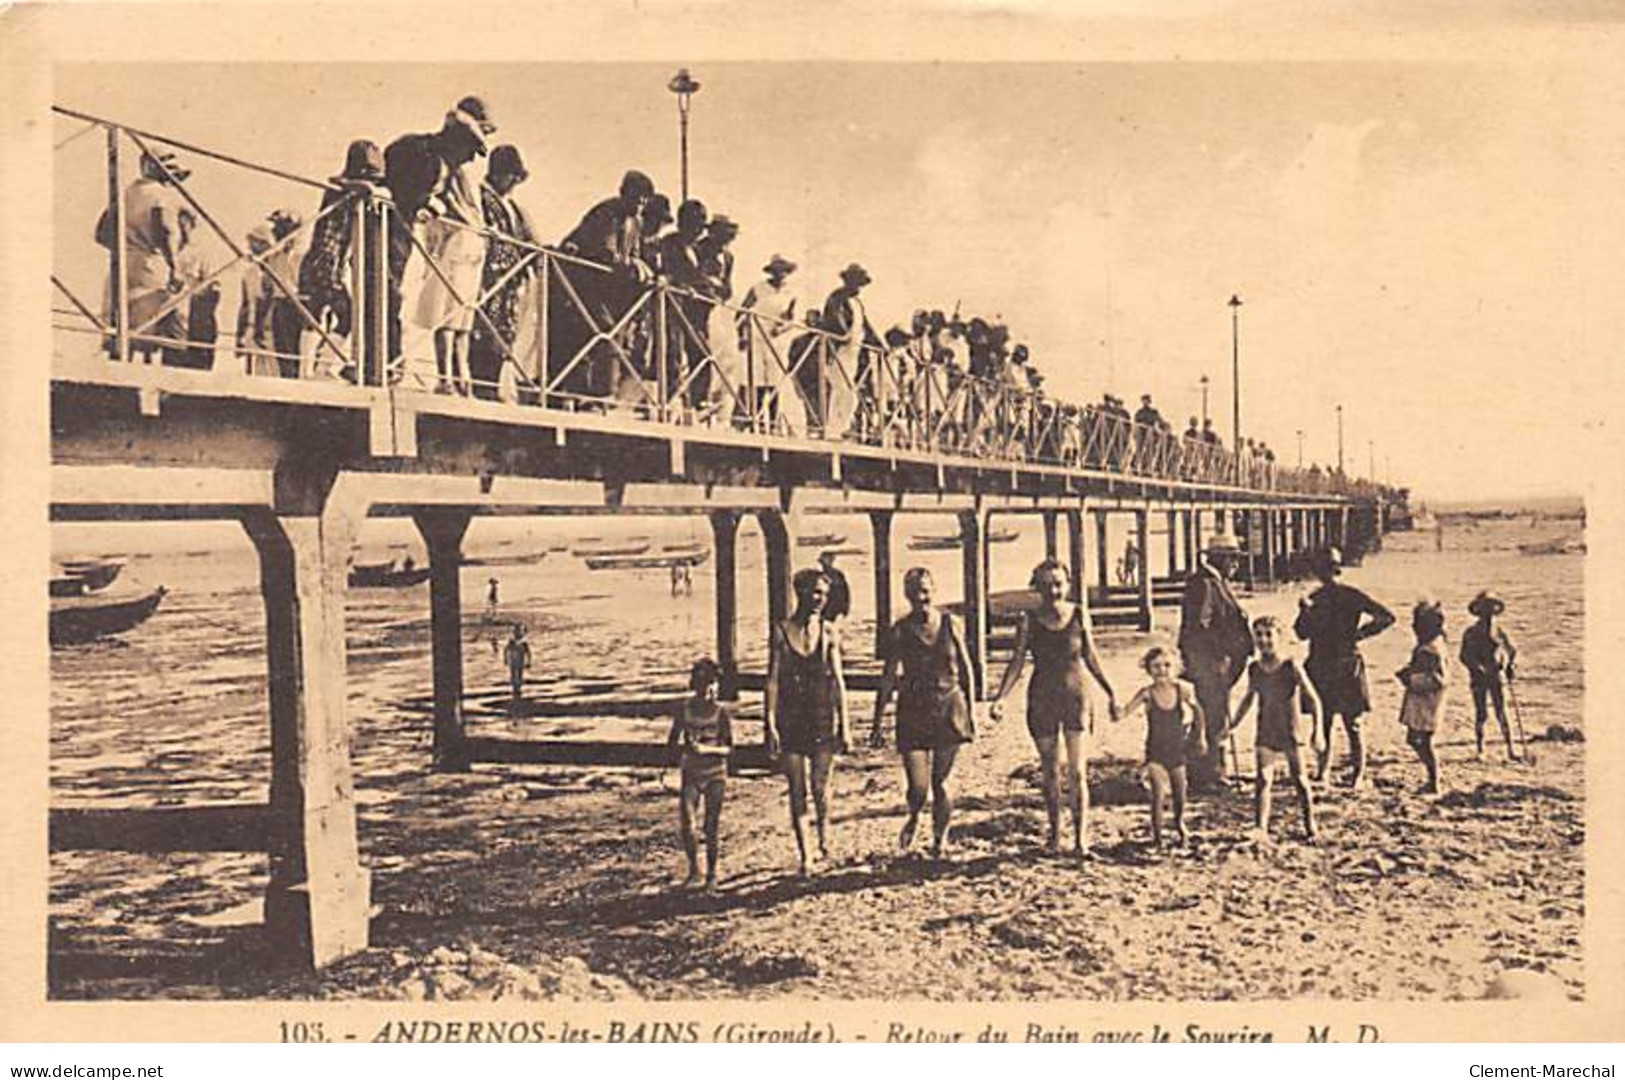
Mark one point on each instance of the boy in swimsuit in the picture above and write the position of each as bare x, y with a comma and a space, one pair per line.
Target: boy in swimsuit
1171, 710
702, 733
1280, 689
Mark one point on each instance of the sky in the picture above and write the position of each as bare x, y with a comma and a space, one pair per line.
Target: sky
1433, 246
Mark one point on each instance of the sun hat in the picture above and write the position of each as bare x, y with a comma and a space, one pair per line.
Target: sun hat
779, 264
856, 275
1486, 600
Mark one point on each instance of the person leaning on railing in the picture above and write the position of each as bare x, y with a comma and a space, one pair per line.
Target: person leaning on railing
508, 269
325, 271
150, 253
416, 167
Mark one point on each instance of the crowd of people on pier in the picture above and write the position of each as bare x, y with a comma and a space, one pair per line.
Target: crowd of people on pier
1222, 658
467, 271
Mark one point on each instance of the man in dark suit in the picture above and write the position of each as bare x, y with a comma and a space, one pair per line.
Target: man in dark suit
1215, 641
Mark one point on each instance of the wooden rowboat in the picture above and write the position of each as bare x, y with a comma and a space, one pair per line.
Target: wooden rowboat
78, 619
387, 575
647, 562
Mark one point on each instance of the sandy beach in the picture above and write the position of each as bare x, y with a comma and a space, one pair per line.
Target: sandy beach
536, 883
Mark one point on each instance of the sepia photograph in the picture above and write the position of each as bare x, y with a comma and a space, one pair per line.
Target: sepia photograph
712, 526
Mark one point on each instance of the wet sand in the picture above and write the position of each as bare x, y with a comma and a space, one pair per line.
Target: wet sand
542, 882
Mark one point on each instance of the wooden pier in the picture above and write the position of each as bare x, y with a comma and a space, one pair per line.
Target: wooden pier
300, 463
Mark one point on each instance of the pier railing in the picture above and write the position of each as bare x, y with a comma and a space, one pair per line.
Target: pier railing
547, 328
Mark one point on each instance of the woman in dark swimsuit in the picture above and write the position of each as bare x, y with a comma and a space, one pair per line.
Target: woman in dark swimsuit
1057, 636
806, 705
933, 704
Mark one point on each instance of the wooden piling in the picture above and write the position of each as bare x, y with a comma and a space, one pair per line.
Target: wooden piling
1173, 544
1142, 534
318, 899
1052, 547
1102, 556
443, 531
880, 527
725, 538
1076, 564
974, 566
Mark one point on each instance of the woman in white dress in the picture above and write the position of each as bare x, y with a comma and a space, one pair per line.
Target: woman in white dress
770, 322
446, 304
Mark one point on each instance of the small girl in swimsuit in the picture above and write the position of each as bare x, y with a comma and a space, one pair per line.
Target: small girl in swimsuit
1279, 687
1425, 681
702, 732
1171, 711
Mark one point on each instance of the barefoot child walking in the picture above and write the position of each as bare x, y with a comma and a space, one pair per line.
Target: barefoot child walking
1171, 712
702, 732
1280, 689
1425, 682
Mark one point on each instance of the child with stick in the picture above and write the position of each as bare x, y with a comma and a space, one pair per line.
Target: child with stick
1171, 713
1279, 688
1425, 681
1489, 657
702, 732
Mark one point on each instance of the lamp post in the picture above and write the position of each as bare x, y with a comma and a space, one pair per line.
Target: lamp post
1340, 440
1371, 459
1235, 371
1300, 448
1204, 400
685, 87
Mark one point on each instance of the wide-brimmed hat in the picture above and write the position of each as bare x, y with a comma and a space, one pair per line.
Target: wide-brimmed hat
284, 221
1486, 602
171, 166
778, 264
475, 107
471, 115
1222, 544
1328, 559
723, 223
855, 274
507, 161
362, 161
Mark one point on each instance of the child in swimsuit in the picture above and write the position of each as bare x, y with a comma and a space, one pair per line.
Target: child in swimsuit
1171, 712
1425, 681
702, 733
1280, 689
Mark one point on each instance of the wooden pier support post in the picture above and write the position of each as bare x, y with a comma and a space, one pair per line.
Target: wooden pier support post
1052, 540
1173, 544
1266, 526
725, 538
974, 566
1195, 538
1076, 565
1142, 540
880, 526
1102, 556
318, 900
779, 531
443, 532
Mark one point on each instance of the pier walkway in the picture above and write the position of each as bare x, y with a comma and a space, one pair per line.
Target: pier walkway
615, 399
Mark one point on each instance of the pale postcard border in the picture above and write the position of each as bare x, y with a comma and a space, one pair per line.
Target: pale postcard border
34, 38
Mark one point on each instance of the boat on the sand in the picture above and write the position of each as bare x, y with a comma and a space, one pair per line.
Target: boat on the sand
821, 540
1562, 545
82, 576
504, 560
90, 616
648, 562
387, 575
602, 551
948, 543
